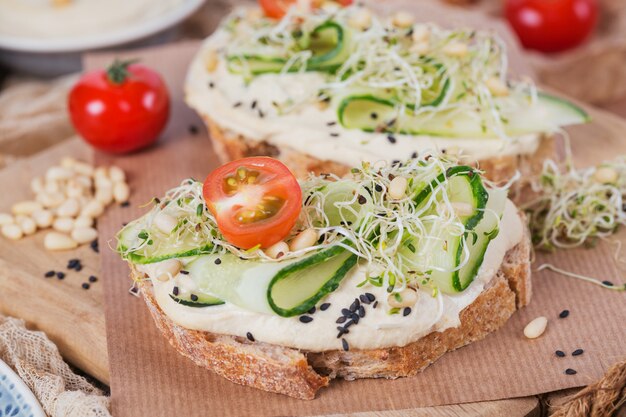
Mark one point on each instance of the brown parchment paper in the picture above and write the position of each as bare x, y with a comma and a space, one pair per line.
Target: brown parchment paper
148, 377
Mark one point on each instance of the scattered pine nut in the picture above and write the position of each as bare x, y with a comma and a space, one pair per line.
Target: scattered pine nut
121, 192
84, 234
168, 269
6, 219
303, 240
12, 231
405, 298
59, 241
26, 207
536, 328
397, 188
605, 175
402, 19
277, 250
165, 223
455, 49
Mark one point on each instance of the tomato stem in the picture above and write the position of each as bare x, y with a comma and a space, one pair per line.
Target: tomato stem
117, 72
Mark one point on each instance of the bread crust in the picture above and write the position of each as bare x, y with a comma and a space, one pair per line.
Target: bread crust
229, 146
300, 374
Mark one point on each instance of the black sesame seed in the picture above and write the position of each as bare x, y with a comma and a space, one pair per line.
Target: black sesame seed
607, 283
324, 306
261, 114
85, 285
193, 129
414, 155
355, 304
346, 312
342, 331
237, 104
182, 271
348, 324
362, 199
94, 246
560, 353
193, 297
375, 304
250, 337
125, 204
78, 268
73, 261
333, 123
406, 311
60, 275
311, 310
355, 318
361, 312
49, 274
564, 314
253, 105
306, 319
577, 352
134, 290
93, 278
211, 84
334, 134
345, 345
391, 139
570, 371
364, 299
378, 187
175, 290
374, 115
218, 261
370, 296
341, 319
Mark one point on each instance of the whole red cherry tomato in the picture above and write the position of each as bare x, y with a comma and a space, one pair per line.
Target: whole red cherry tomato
120, 109
277, 8
552, 25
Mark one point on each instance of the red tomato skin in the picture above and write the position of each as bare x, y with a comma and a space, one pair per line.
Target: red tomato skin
552, 25
266, 232
276, 9
120, 118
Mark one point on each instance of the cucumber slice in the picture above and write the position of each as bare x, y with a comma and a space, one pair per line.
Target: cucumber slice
203, 300
162, 247
285, 288
545, 115
328, 44
462, 185
339, 192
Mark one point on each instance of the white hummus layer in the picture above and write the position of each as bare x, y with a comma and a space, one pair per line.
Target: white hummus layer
249, 109
44, 19
377, 329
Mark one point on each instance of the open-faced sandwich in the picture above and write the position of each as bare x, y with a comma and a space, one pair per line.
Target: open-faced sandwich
284, 286
324, 89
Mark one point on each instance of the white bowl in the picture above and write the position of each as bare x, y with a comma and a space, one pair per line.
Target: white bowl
55, 56
16, 399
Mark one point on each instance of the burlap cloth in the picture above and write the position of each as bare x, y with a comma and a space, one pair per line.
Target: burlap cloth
37, 361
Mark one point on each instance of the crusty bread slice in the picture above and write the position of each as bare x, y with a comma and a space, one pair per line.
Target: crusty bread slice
301, 374
229, 146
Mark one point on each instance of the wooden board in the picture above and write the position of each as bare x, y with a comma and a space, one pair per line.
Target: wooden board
72, 317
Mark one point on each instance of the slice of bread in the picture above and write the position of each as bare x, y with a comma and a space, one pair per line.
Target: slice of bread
301, 374
229, 146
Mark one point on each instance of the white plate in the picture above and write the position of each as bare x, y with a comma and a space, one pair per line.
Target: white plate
16, 400
102, 40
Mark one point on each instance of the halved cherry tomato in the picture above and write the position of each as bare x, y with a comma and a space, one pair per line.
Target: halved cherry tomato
256, 201
277, 8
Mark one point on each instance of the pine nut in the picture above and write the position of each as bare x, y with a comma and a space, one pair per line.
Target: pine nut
59, 174
92, 209
305, 239
121, 192
497, 87
28, 226
12, 231
116, 174
456, 49
103, 182
420, 34
83, 168
5, 219
397, 188
63, 224
84, 181
68, 162
26, 207
420, 48
605, 175
84, 234
405, 298
168, 269
165, 223
74, 189
462, 209
83, 221
58, 241
50, 200
43, 218
37, 185
402, 19
210, 60
51, 187
104, 195
535, 328
277, 250
361, 19
69, 208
